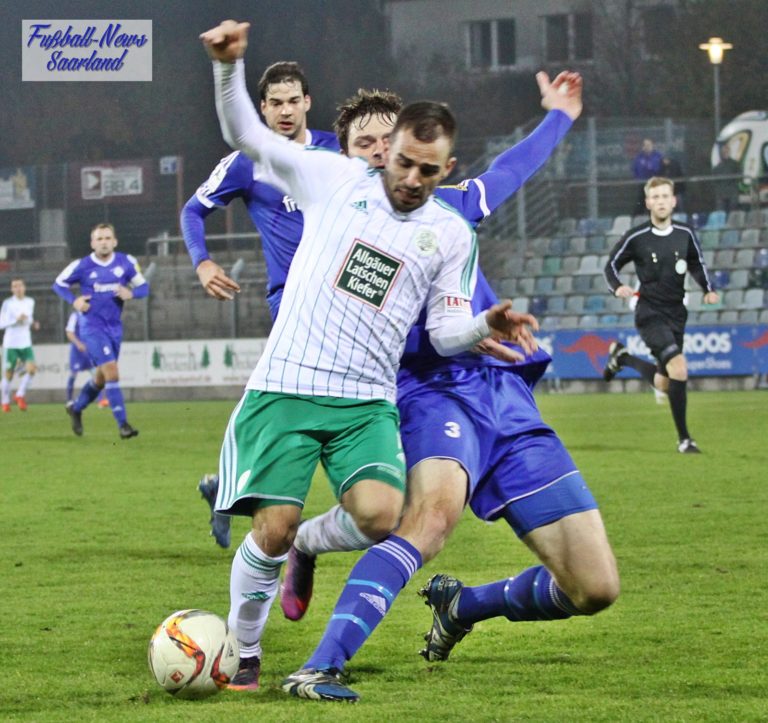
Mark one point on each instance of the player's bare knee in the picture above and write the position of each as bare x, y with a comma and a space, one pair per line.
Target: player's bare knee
377, 524
597, 594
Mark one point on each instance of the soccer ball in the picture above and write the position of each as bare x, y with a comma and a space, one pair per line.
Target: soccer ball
193, 654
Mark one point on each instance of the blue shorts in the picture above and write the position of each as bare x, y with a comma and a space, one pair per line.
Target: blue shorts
101, 346
487, 420
79, 361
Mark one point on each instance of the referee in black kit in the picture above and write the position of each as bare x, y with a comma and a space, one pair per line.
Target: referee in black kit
663, 251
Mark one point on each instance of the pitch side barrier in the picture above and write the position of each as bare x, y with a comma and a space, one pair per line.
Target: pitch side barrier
711, 351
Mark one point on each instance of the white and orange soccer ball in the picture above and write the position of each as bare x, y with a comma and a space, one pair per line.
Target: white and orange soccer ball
193, 654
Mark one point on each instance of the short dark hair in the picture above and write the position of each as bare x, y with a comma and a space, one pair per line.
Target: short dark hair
285, 71
427, 120
364, 104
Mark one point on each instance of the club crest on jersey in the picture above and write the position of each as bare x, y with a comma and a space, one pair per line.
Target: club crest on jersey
426, 242
367, 274
118, 271
457, 304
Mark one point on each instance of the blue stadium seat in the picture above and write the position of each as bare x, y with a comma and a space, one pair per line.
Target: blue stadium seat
721, 278
557, 245
596, 244
566, 226
588, 321
587, 226
520, 304
761, 258
743, 258
594, 304
544, 285
730, 238
538, 306
556, 305
715, 221
575, 303
609, 320
698, 220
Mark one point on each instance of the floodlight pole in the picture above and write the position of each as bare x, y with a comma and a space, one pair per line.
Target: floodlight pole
716, 50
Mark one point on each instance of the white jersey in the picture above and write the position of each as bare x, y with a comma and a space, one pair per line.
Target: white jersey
17, 333
362, 272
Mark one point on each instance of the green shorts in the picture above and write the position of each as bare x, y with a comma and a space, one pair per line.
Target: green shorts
274, 441
14, 357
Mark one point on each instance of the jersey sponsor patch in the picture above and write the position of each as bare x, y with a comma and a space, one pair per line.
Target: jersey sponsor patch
455, 304
368, 274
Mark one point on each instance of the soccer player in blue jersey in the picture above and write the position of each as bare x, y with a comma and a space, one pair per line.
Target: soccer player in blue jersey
285, 101
471, 433
106, 280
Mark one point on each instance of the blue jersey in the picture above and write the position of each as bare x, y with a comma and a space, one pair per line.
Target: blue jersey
475, 199
275, 215
100, 280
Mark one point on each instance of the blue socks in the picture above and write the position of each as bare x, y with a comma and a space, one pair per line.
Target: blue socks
87, 394
373, 584
70, 386
116, 402
532, 595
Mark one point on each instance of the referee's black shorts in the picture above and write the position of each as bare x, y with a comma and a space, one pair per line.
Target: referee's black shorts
662, 330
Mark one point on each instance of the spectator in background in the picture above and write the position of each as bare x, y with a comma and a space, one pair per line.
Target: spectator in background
647, 164
727, 189
671, 168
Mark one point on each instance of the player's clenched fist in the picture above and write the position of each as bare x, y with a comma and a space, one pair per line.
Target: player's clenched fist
226, 42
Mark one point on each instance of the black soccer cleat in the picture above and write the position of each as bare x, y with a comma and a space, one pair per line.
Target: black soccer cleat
127, 431
688, 446
76, 418
615, 351
442, 595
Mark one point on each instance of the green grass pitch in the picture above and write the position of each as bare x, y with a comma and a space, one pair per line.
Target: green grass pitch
102, 538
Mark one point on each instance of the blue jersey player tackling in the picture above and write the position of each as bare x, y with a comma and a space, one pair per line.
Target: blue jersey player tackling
106, 280
461, 453
471, 431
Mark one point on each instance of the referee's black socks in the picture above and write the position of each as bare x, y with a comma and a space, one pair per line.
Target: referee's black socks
678, 398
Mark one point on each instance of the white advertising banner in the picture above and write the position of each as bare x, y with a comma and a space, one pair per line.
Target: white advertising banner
195, 363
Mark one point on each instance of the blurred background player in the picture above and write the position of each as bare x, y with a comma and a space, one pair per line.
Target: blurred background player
17, 320
284, 103
79, 361
106, 279
663, 251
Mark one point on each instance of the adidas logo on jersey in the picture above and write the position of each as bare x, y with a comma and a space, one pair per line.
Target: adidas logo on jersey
377, 602
360, 206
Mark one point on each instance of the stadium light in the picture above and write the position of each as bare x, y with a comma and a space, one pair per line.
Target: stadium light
716, 50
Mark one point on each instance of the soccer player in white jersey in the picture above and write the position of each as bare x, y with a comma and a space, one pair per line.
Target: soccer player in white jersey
376, 248
17, 320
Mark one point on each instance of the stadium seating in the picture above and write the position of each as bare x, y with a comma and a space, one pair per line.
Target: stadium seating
715, 221
736, 219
